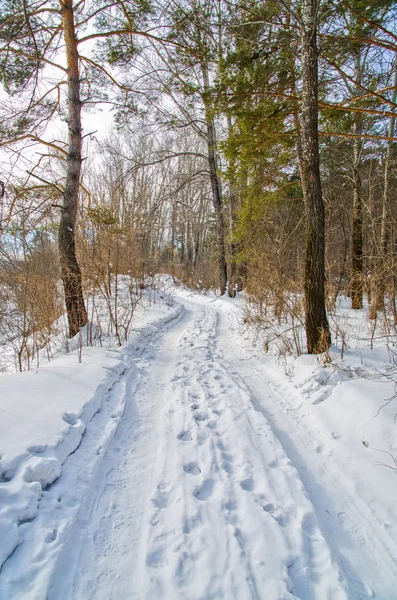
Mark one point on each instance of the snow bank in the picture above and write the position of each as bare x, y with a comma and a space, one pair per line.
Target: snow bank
352, 399
352, 408
45, 413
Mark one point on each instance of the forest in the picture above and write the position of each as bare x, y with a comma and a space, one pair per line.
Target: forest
198, 299
238, 145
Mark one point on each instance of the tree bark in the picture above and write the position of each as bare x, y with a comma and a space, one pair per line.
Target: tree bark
233, 201
357, 225
233, 284
380, 280
316, 322
215, 185
71, 274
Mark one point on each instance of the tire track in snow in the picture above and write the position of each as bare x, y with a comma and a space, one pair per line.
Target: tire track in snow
253, 501
351, 534
196, 498
110, 518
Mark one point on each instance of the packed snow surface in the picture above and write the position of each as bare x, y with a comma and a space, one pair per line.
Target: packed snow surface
189, 465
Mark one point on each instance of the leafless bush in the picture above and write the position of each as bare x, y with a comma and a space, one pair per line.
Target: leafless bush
31, 301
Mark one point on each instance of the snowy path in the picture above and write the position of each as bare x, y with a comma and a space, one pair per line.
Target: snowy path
209, 490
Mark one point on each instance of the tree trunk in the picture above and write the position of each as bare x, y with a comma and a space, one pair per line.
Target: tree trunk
379, 303
394, 277
173, 229
233, 250
215, 185
233, 202
71, 274
317, 327
196, 239
357, 225
189, 242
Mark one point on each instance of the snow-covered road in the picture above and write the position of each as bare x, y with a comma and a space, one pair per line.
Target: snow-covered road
209, 491
217, 484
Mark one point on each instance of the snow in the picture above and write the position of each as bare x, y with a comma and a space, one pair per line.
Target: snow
44, 415
188, 464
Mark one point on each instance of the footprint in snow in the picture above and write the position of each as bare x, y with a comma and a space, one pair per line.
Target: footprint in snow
231, 506
205, 490
156, 558
51, 536
160, 500
227, 467
276, 512
111, 477
70, 418
154, 521
226, 456
247, 484
201, 417
192, 468
185, 436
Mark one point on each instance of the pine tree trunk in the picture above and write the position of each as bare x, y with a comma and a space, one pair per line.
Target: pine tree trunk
317, 327
71, 274
233, 201
216, 186
379, 303
356, 290
357, 237
232, 279
218, 206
